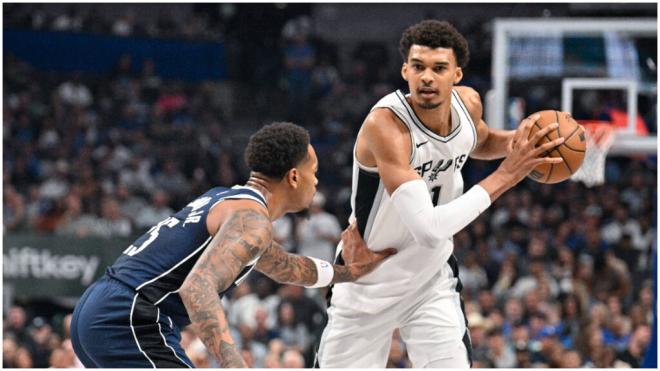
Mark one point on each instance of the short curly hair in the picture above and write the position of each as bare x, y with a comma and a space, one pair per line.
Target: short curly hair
276, 148
435, 34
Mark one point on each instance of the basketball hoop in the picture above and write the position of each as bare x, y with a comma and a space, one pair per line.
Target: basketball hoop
600, 137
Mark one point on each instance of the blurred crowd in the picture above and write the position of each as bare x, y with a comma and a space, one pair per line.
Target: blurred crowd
561, 276
130, 22
554, 276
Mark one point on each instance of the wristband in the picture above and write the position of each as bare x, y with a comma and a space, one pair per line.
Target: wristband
324, 273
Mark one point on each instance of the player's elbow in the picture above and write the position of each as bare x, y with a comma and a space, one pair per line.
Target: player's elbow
186, 292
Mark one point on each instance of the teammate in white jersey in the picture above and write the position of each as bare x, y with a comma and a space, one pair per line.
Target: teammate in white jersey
408, 193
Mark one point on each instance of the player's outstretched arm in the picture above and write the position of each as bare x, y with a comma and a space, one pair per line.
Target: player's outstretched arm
310, 272
244, 235
491, 143
388, 142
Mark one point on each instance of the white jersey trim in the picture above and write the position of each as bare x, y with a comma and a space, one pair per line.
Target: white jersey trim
423, 127
160, 330
176, 265
467, 117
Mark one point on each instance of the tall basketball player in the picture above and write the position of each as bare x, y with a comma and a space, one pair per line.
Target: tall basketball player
176, 272
408, 192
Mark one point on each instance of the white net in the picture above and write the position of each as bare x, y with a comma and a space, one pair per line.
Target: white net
599, 141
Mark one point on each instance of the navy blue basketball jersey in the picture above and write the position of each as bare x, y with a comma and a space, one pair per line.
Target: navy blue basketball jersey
157, 263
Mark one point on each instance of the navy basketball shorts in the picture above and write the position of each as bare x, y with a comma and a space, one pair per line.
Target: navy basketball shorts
113, 326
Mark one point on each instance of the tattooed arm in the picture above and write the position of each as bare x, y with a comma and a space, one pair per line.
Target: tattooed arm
300, 270
243, 236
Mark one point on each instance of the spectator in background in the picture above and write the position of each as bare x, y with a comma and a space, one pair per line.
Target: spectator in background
248, 357
532, 281
299, 56
622, 224
59, 358
306, 310
283, 233
23, 358
569, 325
294, 335
507, 277
636, 346
130, 205
74, 93
13, 209
39, 343
137, 175
123, 26
275, 350
616, 334
570, 359
262, 331
15, 324
256, 352
244, 304
479, 326
172, 180
611, 277
9, 349
319, 234
198, 354
112, 223
500, 353
155, 211
473, 276
293, 359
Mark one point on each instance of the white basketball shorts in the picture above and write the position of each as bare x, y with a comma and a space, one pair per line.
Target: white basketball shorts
431, 323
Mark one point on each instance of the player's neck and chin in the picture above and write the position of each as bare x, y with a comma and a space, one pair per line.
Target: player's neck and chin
435, 115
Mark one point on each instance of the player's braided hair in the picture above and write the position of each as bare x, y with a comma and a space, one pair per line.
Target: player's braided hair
435, 34
276, 149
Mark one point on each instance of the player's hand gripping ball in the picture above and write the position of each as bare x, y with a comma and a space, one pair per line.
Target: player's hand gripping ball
572, 150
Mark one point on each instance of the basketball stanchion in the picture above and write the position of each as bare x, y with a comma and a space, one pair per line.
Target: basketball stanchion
600, 137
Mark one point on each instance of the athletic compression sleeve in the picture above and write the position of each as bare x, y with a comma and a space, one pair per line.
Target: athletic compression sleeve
432, 226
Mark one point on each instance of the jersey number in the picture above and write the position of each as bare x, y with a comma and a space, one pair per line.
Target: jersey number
153, 234
435, 195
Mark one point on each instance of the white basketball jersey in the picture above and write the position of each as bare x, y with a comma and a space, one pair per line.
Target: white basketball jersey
438, 160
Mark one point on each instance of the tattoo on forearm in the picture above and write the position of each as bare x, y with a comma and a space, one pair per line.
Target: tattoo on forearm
240, 239
351, 272
343, 273
299, 270
287, 268
230, 356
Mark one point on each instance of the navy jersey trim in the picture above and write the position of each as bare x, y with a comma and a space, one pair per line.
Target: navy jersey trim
201, 247
149, 337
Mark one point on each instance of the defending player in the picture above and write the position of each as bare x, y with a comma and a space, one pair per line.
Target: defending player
408, 192
173, 274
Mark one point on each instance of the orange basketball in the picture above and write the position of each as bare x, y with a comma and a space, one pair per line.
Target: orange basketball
572, 150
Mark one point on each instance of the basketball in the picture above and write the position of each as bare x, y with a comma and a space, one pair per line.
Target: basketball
572, 150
